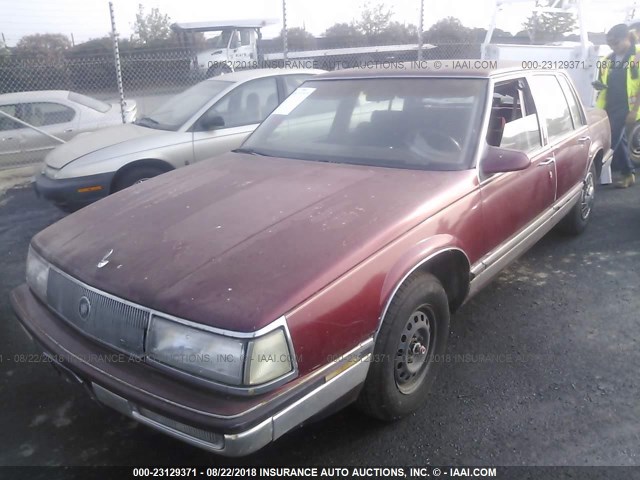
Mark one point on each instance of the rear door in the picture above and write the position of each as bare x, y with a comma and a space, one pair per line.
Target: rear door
513, 200
10, 138
566, 128
242, 110
51, 117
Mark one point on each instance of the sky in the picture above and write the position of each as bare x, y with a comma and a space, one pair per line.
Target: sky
87, 19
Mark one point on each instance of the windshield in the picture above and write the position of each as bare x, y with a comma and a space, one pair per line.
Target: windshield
89, 102
418, 123
221, 40
175, 112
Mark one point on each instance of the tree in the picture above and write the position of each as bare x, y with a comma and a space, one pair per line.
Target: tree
152, 28
298, 39
374, 20
548, 26
344, 35
448, 30
45, 47
397, 33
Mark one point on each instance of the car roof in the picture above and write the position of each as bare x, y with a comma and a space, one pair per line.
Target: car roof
432, 68
243, 75
34, 96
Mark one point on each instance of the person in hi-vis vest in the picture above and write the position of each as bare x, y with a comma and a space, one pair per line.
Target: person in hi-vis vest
620, 95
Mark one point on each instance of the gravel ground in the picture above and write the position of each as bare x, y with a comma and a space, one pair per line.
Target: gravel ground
543, 370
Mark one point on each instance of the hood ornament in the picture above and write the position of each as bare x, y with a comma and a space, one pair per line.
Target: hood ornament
104, 260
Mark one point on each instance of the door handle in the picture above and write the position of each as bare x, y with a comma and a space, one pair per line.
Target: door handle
583, 140
547, 161
5, 139
68, 130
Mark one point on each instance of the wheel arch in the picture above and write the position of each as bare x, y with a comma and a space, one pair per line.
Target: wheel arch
147, 162
449, 264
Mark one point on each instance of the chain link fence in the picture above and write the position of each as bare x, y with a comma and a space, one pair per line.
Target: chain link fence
150, 76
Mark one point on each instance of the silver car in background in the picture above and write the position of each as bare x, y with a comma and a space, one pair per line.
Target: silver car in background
54, 114
210, 118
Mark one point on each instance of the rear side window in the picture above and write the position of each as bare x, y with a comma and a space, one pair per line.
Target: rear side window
92, 103
291, 82
574, 106
553, 106
5, 122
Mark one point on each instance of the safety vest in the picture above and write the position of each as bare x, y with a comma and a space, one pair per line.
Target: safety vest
633, 84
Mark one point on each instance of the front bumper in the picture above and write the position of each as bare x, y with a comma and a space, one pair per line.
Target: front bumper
73, 193
221, 423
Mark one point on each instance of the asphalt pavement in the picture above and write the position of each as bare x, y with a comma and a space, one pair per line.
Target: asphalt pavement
543, 369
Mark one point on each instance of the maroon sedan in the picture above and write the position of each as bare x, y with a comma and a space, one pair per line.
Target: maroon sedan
318, 265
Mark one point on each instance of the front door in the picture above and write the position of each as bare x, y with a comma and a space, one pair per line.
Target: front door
512, 201
241, 110
50, 117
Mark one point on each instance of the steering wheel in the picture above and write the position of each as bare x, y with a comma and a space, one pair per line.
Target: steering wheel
443, 142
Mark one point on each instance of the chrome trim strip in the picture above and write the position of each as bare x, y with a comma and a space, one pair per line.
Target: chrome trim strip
402, 280
492, 263
313, 376
223, 387
219, 331
314, 402
280, 323
272, 428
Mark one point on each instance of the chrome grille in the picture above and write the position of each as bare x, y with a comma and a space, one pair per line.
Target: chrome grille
104, 318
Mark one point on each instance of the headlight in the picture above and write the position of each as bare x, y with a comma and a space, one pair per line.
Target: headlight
238, 362
37, 274
195, 351
50, 172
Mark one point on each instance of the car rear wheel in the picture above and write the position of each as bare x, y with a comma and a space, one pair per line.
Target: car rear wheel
134, 176
411, 339
579, 216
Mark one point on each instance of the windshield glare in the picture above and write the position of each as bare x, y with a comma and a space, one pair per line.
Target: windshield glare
419, 123
175, 112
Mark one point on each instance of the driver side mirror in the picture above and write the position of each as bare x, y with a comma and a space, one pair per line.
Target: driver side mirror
211, 122
499, 160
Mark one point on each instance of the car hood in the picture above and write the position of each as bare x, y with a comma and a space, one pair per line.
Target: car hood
238, 241
86, 143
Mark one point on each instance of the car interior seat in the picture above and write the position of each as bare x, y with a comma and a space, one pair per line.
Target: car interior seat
252, 108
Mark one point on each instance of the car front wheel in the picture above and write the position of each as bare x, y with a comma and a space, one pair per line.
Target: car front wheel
134, 176
411, 340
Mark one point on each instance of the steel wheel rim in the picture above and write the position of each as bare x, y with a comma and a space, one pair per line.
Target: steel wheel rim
588, 196
415, 347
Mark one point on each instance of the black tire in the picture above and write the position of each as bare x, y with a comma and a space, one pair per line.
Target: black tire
579, 216
135, 175
396, 384
633, 138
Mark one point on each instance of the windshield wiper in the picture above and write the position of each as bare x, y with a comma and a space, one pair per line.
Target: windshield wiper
147, 120
250, 151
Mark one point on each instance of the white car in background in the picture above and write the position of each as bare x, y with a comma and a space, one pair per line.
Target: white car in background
53, 114
207, 119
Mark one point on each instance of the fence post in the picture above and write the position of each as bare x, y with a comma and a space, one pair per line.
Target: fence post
420, 29
285, 46
116, 55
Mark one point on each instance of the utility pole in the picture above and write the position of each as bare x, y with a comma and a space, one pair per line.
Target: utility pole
116, 55
285, 46
420, 29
